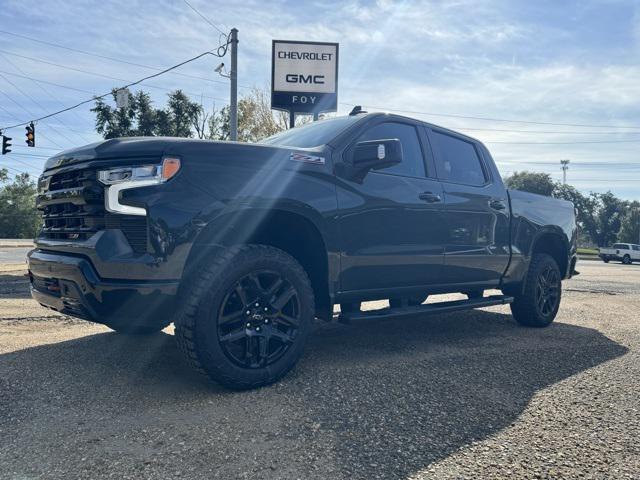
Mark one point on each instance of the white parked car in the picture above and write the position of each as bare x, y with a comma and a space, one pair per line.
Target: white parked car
623, 252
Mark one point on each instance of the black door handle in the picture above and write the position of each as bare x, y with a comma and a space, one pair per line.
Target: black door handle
430, 197
497, 204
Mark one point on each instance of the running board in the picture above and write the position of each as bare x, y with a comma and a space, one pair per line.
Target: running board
426, 308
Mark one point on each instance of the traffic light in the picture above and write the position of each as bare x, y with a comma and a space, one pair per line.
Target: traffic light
5, 145
31, 135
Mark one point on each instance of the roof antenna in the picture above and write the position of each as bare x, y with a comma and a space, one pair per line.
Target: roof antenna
356, 110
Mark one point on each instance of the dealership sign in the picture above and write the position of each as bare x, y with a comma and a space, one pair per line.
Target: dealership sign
304, 76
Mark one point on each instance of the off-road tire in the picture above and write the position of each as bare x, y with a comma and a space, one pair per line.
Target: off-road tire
197, 323
526, 308
626, 260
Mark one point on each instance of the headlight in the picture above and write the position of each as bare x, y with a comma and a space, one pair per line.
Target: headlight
125, 178
147, 174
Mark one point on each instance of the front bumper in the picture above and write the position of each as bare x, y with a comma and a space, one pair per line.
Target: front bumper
70, 284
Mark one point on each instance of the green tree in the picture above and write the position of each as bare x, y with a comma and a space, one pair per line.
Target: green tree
184, 118
140, 118
630, 228
601, 215
533, 182
18, 215
182, 114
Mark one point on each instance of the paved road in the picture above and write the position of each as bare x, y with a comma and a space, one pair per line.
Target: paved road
466, 395
14, 254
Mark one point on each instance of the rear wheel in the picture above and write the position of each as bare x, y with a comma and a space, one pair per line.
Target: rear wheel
538, 304
247, 316
605, 260
626, 260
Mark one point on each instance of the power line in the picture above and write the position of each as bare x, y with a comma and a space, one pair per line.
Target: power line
29, 155
113, 59
203, 17
560, 132
588, 164
490, 119
102, 75
15, 169
20, 106
48, 83
37, 147
221, 51
564, 143
63, 135
49, 94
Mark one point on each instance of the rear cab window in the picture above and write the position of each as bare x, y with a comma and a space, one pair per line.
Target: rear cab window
621, 246
458, 160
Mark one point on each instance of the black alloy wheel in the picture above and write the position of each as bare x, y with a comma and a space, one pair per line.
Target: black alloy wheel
246, 316
536, 304
548, 290
258, 319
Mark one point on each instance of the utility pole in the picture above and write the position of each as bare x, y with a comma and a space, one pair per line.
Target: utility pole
565, 167
233, 114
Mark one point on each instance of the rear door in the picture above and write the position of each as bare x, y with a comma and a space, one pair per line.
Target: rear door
476, 211
391, 224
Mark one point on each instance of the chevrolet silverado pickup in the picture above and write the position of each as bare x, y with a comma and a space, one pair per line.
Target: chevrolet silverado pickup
241, 246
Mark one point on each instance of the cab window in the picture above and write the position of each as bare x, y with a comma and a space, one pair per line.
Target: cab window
458, 160
412, 164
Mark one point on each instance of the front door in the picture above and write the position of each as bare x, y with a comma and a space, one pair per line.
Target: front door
391, 224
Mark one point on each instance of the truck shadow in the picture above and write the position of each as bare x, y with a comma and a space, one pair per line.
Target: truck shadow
380, 399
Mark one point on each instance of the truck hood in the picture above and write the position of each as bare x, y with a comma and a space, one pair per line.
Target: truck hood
149, 147
113, 148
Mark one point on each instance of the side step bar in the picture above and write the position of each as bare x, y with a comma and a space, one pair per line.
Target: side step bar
426, 309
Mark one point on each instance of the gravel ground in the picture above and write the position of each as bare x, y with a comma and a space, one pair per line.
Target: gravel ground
466, 395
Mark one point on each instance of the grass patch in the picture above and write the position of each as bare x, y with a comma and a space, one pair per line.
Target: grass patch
587, 251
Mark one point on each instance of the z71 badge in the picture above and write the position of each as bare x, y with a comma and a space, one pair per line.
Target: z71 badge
304, 157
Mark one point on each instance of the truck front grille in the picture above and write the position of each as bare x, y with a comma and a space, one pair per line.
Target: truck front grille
72, 206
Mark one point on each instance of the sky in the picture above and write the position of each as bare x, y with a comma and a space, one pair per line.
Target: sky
536, 81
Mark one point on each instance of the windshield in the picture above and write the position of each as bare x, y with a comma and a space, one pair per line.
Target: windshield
312, 134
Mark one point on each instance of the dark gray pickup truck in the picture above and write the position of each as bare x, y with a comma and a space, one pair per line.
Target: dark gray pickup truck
242, 245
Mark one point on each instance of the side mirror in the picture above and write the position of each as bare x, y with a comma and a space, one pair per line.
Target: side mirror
372, 155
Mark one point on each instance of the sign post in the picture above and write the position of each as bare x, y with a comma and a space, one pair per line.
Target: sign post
304, 77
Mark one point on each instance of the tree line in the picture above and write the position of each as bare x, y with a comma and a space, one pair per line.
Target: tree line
183, 117
603, 218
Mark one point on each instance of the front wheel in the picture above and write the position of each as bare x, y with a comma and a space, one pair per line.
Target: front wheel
247, 316
626, 260
538, 304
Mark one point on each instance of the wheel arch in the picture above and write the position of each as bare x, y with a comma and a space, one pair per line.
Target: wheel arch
289, 230
555, 245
